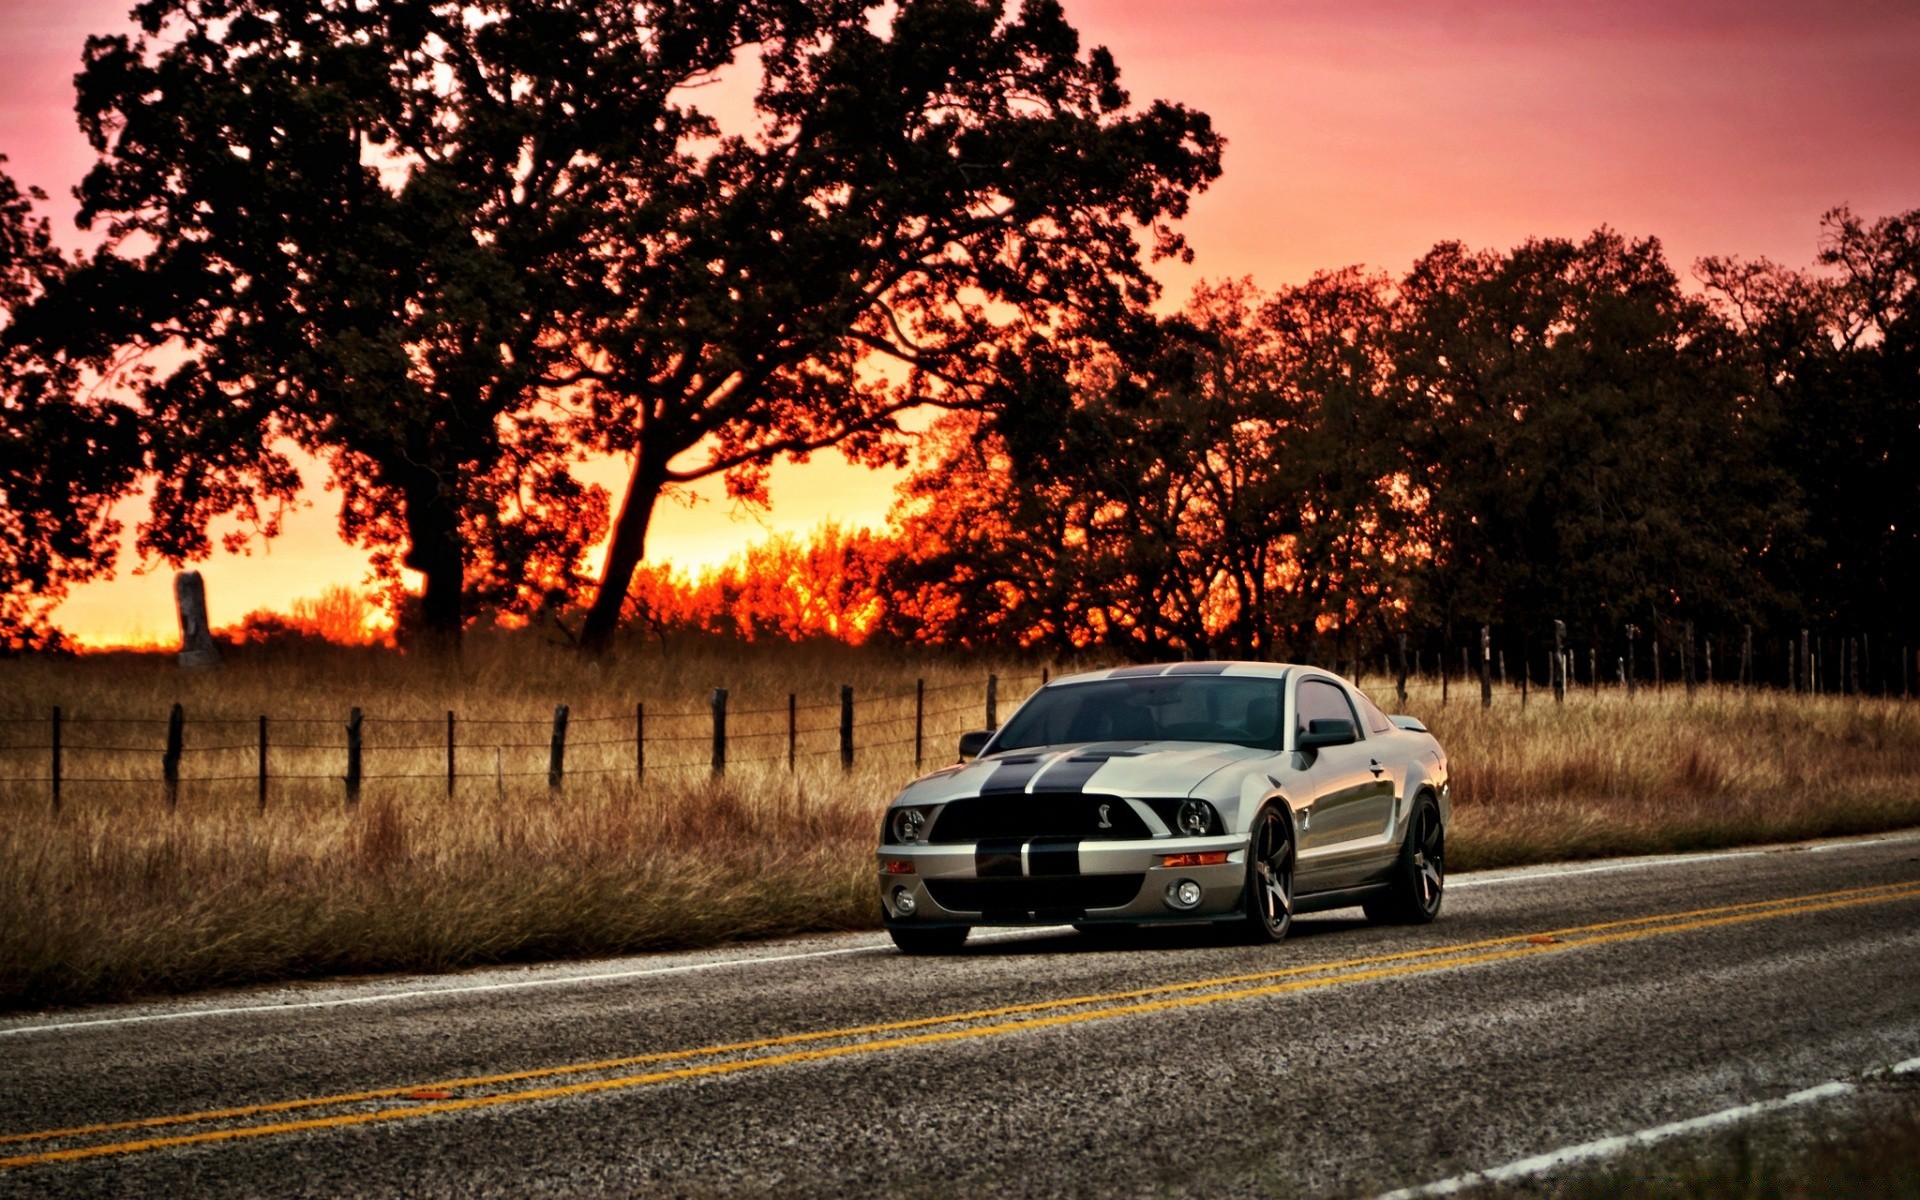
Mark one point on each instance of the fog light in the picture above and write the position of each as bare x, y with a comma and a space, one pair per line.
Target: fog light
903, 905
1184, 894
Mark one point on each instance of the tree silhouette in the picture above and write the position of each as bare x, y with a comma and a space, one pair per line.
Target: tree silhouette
65, 455
925, 199
379, 232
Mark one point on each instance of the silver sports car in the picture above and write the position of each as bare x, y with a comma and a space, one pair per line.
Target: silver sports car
1195, 792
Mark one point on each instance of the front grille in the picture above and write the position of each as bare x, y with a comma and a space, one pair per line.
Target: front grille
1037, 815
1067, 896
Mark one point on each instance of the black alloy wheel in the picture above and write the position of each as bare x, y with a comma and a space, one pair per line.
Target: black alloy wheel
1420, 878
1270, 862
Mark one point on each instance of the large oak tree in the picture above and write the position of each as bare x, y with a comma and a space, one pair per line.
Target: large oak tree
441, 246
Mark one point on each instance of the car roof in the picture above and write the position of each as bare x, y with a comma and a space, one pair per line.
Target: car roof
1257, 670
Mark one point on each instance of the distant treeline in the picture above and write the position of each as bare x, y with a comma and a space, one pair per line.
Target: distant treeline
1563, 432
439, 253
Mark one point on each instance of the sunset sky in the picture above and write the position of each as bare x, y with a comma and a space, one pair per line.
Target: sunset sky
1357, 133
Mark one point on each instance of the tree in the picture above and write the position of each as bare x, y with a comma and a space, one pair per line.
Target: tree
380, 232
930, 196
65, 456
1232, 489
1591, 439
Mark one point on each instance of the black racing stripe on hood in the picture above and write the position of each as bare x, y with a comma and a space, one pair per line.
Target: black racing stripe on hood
1069, 775
1012, 775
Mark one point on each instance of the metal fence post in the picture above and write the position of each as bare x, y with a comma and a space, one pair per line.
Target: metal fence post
719, 703
353, 756
557, 749
919, 718
846, 727
639, 740
1559, 662
993, 702
262, 796
793, 730
449, 752
170, 761
56, 758
1486, 666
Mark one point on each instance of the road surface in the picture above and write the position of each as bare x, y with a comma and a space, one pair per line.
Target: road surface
1547, 1007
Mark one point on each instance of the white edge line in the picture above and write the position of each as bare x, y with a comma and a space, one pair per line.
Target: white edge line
1607, 1147
1523, 875
467, 989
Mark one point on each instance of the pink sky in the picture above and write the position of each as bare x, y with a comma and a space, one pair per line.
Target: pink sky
1356, 133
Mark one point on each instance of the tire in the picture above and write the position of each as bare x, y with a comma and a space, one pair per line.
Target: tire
1267, 902
942, 940
1420, 877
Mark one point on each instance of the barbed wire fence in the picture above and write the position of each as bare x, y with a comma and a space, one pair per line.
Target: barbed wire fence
164, 754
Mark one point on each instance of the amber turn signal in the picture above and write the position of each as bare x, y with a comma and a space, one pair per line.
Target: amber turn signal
1211, 858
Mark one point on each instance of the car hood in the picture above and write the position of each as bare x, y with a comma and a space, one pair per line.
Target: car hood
1138, 769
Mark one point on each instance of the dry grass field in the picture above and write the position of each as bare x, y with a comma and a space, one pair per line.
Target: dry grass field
116, 894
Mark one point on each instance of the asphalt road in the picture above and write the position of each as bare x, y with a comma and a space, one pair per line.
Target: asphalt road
1545, 1008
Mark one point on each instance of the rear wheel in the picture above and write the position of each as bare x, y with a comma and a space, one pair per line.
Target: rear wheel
1420, 877
943, 940
1269, 894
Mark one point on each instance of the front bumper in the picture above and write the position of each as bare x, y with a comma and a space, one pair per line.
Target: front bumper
1047, 881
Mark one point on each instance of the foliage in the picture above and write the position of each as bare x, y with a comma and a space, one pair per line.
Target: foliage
927, 196
65, 455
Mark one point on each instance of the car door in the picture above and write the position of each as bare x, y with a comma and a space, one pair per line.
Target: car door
1352, 796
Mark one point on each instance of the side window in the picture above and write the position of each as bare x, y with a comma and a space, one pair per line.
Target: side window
1318, 700
1376, 720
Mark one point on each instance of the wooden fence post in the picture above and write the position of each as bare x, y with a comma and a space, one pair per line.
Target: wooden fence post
262, 797
793, 731
353, 756
846, 727
1486, 666
1746, 658
1559, 662
639, 740
557, 749
920, 717
56, 758
449, 752
1806, 662
170, 761
993, 701
719, 704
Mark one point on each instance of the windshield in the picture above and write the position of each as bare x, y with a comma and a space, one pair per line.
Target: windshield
1242, 710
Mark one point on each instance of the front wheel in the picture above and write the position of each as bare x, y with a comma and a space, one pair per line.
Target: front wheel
1269, 894
1420, 877
943, 940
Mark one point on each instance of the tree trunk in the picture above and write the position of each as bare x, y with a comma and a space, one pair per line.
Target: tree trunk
625, 551
434, 549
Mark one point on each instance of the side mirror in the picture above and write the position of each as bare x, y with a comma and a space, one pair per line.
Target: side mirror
1326, 732
971, 744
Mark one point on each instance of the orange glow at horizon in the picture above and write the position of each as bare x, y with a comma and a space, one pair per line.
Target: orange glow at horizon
1356, 134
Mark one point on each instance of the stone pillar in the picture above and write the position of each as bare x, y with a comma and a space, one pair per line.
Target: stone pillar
196, 640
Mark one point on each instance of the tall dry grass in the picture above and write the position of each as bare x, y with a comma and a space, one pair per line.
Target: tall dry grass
117, 896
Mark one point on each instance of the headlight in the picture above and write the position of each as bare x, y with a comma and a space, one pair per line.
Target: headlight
1195, 819
907, 824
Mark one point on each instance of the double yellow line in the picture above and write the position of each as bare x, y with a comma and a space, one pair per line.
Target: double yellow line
734, 1057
